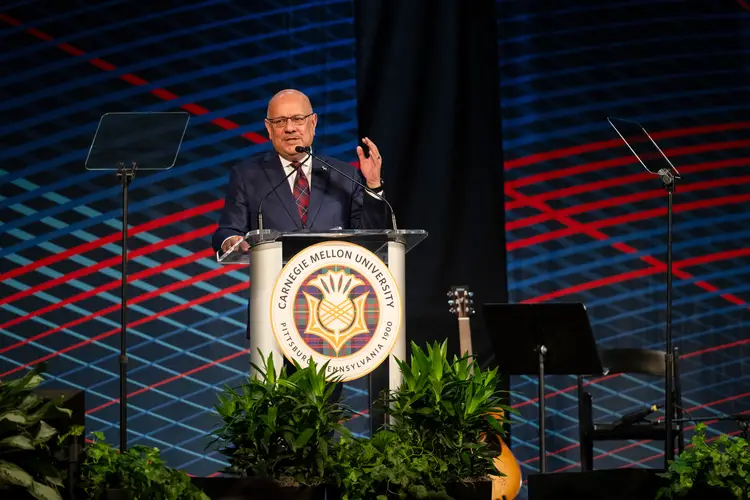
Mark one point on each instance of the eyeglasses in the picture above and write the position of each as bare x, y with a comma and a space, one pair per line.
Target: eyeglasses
281, 120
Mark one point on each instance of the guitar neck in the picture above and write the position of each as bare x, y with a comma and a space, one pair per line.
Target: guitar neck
461, 305
464, 336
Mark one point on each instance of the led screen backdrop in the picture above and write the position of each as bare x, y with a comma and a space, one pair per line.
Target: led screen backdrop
584, 222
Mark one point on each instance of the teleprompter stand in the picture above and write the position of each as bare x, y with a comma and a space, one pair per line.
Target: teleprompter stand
542, 339
126, 142
653, 159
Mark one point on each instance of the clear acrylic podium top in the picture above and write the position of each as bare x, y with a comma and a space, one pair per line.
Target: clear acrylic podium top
375, 240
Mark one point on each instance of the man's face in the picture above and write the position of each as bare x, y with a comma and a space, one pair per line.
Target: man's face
286, 135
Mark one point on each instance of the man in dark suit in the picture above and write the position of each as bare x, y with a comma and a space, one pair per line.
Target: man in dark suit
312, 199
315, 199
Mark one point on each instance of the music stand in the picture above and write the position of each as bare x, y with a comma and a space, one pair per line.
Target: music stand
127, 142
653, 159
541, 339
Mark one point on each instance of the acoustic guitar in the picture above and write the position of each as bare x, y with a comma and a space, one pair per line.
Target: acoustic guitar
503, 487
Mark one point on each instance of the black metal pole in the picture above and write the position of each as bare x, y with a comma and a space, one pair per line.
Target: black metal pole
735, 417
669, 181
126, 174
542, 350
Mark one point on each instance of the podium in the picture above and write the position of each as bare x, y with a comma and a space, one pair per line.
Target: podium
336, 296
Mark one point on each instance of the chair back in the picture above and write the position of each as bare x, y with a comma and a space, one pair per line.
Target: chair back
633, 360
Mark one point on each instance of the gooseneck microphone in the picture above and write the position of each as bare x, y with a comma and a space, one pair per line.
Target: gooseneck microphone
308, 150
273, 190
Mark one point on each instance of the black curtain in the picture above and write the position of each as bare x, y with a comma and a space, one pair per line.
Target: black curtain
428, 96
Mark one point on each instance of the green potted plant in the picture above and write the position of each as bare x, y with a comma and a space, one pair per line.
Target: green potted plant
719, 469
386, 467
277, 432
138, 473
27, 465
451, 410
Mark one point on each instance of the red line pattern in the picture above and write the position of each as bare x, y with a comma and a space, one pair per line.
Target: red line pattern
172, 379
112, 261
116, 307
181, 307
656, 268
106, 287
629, 179
619, 200
112, 238
590, 228
612, 143
134, 79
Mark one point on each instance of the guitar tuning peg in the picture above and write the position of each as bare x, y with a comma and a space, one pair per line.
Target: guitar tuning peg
471, 294
452, 310
471, 302
472, 311
450, 294
451, 302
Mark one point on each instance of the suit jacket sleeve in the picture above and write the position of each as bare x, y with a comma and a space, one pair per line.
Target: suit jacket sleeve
367, 212
234, 216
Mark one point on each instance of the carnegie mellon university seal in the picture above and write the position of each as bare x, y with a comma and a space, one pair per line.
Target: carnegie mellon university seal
336, 302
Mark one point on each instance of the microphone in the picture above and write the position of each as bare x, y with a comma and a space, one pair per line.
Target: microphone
273, 190
636, 416
308, 150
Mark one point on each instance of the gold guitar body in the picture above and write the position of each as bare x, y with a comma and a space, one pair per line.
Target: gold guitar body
508, 486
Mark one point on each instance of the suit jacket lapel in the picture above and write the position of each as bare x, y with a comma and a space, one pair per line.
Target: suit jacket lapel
275, 174
318, 189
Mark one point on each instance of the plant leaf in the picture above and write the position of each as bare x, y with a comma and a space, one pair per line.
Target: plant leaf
303, 438
41, 412
65, 411
18, 441
13, 474
29, 402
46, 431
32, 382
43, 492
15, 416
495, 424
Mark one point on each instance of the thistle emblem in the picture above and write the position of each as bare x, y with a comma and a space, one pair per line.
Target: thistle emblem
336, 317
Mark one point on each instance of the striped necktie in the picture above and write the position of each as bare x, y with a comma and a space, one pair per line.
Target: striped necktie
301, 193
